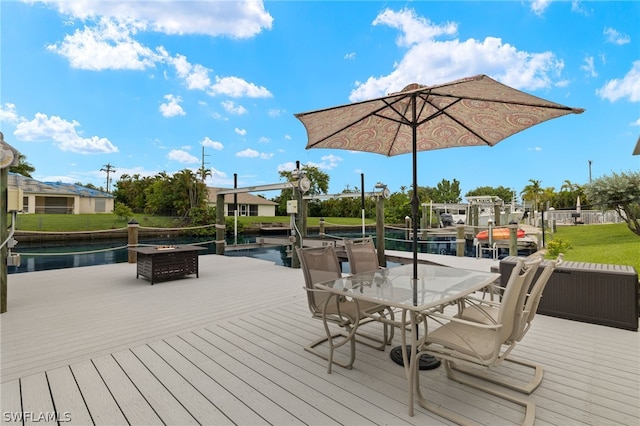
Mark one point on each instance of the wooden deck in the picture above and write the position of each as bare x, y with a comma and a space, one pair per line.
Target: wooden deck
98, 346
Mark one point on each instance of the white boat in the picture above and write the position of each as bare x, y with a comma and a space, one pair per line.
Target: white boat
460, 213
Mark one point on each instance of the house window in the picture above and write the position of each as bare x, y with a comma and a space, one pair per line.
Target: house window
101, 205
253, 210
243, 210
25, 206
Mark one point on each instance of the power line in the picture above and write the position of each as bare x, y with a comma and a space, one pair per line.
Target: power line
109, 169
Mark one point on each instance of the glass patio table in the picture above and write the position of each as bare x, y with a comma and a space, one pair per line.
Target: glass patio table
436, 285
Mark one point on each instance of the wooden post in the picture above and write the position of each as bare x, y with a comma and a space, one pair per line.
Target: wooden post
220, 230
132, 239
460, 240
321, 227
4, 179
513, 240
380, 242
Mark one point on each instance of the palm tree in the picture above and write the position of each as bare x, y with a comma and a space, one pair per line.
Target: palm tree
532, 192
23, 168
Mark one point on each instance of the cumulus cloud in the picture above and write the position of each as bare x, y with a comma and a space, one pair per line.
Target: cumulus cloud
236, 87
615, 37
182, 156
252, 153
9, 114
248, 153
172, 107
231, 108
63, 133
450, 58
625, 87
539, 6
241, 132
588, 67
212, 144
328, 162
236, 19
108, 45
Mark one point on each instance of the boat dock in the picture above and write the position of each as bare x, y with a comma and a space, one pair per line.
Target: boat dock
95, 345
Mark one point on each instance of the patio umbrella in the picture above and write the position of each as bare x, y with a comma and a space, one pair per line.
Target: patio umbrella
474, 111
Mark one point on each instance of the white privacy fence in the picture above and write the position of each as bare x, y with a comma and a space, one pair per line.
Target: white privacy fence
566, 217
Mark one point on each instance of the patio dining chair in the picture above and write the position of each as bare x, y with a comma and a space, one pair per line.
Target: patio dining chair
362, 255
477, 345
486, 312
321, 264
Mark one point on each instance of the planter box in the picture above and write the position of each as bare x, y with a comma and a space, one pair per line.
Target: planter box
589, 292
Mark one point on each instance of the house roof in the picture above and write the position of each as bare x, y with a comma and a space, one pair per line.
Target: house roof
243, 198
32, 186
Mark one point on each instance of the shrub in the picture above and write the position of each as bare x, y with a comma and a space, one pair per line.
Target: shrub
122, 211
557, 246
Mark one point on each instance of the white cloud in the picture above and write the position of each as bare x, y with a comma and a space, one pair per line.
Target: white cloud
172, 107
350, 56
8, 113
539, 6
212, 144
588, 67
615, 37
231, 108
248, 153
627, 87
182, 156
328, 162
275, 112
241, 132
264, 139
196, 77
236, 87
454, 58
636, 123
252, 153
237, 19
287, 137
63, 133
109, 45
286, 167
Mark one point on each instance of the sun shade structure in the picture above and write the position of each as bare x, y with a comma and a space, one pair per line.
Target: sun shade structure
474, 111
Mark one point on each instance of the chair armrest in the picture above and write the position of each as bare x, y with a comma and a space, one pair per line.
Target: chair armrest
440, 318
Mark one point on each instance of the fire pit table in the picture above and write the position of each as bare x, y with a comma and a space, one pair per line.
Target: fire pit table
166, 262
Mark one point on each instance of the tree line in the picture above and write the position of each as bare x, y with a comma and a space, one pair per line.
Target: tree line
184, 194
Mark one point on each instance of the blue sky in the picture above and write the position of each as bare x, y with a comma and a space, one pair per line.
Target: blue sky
144, 86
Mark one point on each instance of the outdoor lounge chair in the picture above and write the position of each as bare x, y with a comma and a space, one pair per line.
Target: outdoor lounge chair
486, 312
362, 255
321, 264
459, 341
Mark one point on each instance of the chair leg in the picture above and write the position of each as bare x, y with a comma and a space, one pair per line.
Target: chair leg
529, 407
527, 388
311, 347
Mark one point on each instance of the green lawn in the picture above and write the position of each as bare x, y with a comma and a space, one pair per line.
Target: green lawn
612, 243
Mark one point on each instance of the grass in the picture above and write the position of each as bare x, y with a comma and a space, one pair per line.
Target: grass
611, 243
86, 222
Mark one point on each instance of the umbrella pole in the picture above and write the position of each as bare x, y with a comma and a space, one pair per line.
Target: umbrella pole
426, 361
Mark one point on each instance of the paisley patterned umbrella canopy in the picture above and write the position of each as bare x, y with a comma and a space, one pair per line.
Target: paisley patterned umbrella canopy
473, 111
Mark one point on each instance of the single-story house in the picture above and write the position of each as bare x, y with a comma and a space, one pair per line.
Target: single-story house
58, 197
248, 204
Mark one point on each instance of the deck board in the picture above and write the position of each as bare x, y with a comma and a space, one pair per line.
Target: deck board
227, 348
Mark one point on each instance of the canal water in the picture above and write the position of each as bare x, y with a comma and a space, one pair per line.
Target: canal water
49, 256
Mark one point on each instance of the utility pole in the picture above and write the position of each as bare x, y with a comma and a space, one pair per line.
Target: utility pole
203, 170
590, 170
109, 169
